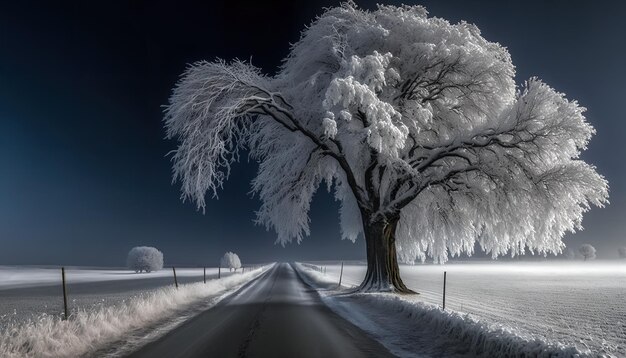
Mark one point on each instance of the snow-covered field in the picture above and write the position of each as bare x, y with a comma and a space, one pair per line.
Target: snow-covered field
27, 292
24, 276
104, 308
581, 304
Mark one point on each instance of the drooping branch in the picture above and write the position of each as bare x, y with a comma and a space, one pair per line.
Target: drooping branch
268, 106
205, 108
526, 139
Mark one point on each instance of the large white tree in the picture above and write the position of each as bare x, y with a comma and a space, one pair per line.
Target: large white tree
144, 258
416, 124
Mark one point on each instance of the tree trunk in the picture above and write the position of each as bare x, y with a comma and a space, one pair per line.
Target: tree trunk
383, 273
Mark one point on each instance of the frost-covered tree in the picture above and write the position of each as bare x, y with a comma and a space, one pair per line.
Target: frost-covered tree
144, 258
231, 261
569, 254
622, 252
416, 124
587, 251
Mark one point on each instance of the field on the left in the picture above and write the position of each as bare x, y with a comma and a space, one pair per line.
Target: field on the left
27, 293
111, 312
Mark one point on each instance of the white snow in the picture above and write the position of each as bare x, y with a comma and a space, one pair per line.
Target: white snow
577, 304
89, 330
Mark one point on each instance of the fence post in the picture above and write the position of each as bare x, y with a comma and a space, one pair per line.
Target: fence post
219, 271
341, 274
444, 290
175, 279
204, 275
64, 293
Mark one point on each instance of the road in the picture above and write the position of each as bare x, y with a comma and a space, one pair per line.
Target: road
276, 315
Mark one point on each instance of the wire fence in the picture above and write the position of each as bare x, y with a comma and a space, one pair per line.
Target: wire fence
66, 294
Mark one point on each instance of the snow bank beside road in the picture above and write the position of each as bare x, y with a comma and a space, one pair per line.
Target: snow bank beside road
87, 331
409, 328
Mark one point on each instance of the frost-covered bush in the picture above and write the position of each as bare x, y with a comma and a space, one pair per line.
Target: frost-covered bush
622, 252
587, 251
230, 260
569, 254
144, 258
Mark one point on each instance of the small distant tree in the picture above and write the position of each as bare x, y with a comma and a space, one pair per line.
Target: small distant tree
588, 252
622, 252
570, 254
231, 261
144, 258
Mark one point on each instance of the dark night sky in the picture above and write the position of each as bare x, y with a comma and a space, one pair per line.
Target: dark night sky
83, 172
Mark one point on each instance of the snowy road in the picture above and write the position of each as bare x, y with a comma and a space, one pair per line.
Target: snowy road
276, 315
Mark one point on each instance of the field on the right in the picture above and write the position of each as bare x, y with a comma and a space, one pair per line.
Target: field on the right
575, 303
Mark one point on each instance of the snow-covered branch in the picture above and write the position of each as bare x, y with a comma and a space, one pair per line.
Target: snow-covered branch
211, 111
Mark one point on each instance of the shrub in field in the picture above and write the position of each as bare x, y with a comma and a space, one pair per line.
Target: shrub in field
144, 258
569, 254
230, 260
588, 252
